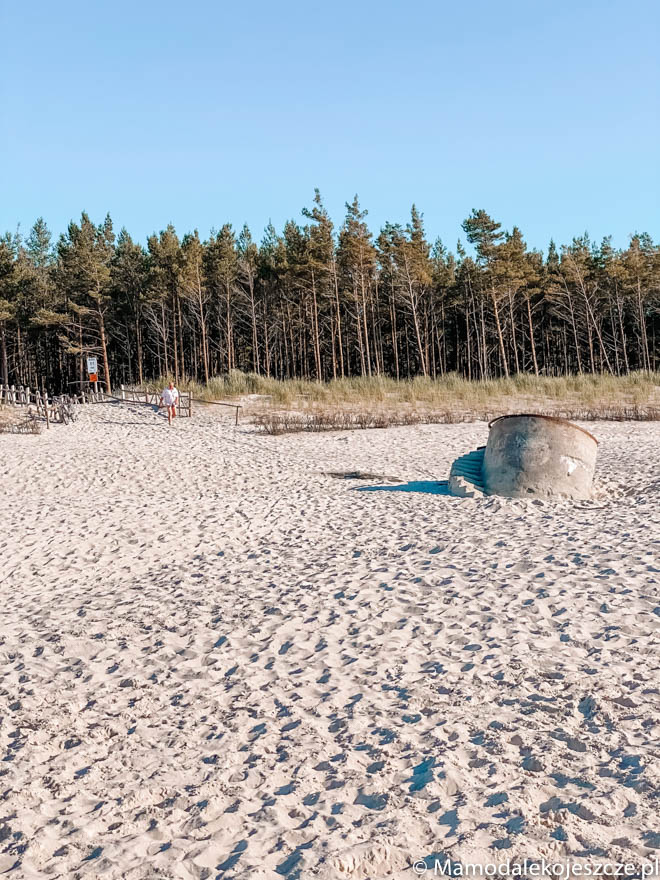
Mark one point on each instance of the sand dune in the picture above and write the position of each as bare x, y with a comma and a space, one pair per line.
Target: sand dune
219, 661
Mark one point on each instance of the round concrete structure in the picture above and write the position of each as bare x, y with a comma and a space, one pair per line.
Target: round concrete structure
529, 455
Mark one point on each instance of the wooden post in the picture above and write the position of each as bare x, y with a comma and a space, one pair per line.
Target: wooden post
237, 408
190, 404
46, 411
122, 392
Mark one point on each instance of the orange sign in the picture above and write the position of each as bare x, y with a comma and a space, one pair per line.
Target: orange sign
93, 377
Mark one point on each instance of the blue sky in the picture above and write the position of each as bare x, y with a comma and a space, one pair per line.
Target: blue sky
199, 113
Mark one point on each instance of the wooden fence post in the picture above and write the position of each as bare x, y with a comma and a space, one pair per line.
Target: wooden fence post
46, 411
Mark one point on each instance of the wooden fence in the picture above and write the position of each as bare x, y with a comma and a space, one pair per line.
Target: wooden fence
184, 406
41, 404
12, 395
141, 395
50, 406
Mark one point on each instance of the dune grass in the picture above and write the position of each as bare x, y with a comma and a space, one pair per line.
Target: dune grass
285, 406
638, 388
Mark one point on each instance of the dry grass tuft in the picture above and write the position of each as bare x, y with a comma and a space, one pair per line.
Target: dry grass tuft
273, 422
315, 420
17, 421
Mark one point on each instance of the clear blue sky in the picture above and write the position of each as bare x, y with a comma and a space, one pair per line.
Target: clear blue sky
546, 114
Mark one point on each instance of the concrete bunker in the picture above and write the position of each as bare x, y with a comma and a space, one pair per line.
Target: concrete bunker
529, 455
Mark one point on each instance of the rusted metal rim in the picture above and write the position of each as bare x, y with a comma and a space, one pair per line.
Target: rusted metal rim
548, 418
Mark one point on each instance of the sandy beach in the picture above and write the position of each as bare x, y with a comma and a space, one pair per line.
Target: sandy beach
218, 660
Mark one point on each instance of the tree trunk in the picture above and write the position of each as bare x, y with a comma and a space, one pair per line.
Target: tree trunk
338, 310
315, 319
176, 344
646, 359
365, 326
178, 310
3, 355
139, 355
513, 333
395, 343
499, 334
81, 361
485, 369
624, 345
164, 334
104, 350
531, 336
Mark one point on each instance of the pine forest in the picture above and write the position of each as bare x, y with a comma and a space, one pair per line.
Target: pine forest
317, 302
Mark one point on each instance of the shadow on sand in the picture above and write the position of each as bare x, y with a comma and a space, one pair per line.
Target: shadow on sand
430, 487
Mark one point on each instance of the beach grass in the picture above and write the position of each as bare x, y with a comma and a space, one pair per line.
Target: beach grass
285, 406
634, 388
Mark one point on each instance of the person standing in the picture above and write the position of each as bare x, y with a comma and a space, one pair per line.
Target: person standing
170, 397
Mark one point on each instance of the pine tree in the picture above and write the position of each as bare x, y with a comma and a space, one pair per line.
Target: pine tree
357, 263
221, 270
85, 255
248, 269
165, 283
485, 234
129, 272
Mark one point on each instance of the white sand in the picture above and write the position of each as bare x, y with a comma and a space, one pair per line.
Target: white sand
217, 662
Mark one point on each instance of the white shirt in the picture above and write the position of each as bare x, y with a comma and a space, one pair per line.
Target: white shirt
170, 396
